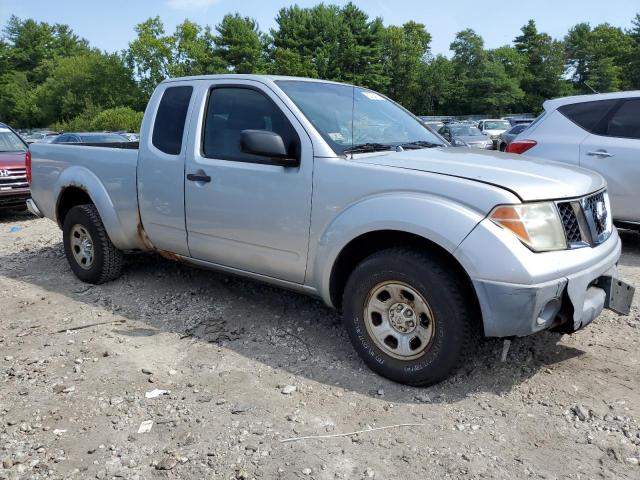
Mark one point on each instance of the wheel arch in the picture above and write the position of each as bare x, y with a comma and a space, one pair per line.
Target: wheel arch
71, 196
369, 243
77, 186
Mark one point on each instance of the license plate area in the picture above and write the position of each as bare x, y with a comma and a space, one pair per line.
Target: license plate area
619, 295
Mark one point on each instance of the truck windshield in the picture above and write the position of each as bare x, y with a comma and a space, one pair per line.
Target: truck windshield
9, 142
356, 119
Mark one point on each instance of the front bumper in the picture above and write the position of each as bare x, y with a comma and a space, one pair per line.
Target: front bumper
13, 198
561, 287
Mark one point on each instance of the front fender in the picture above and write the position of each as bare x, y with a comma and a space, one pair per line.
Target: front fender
437, 219
83, 178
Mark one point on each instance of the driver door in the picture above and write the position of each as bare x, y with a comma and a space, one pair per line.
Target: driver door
242, 211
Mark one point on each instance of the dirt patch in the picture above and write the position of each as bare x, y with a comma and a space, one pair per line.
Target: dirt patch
226, 354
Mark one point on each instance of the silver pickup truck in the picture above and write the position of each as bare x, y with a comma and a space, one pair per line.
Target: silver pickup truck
337, 192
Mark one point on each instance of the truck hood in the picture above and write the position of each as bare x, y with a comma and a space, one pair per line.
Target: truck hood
529, 179
12, 160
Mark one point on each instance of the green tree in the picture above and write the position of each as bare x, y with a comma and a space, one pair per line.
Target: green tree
631, 74
597, 57
155, 56
310, 34
405, 49
485, 82
34, 44
240, 44
118, 119
512, 60
83, 81
17, 100
468, 55
362, 43
436, 86
468, 51
330, 42
150, 55
192, 51
543, 75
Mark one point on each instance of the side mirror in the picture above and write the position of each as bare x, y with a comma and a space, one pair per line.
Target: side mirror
267, 144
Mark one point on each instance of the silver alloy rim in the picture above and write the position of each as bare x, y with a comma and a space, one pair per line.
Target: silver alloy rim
399, 320
82, 246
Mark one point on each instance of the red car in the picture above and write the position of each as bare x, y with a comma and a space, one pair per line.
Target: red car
14, 155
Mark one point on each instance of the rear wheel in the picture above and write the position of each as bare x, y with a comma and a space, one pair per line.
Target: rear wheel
90, 253
503, 147
407, 316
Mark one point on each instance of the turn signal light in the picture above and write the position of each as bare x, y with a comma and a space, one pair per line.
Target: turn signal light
521, 146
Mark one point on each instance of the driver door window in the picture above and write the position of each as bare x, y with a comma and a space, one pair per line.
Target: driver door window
231, 110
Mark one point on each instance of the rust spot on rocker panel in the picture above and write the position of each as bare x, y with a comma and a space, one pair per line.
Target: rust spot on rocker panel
146, 241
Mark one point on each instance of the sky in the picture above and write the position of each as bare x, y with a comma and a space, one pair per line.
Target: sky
109, 25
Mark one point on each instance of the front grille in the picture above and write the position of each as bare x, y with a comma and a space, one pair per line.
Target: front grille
570, 222
13, 178
586, 220
599, 217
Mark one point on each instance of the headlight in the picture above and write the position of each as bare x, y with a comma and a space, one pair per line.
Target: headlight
537, 225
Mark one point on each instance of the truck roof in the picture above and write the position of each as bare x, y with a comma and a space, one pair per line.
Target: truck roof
257, 77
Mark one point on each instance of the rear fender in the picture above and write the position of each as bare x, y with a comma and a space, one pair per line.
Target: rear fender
82, 178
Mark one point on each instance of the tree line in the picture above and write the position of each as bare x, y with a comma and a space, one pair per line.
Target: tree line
49, 76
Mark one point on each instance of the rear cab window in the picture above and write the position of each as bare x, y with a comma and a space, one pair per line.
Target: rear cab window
168, 129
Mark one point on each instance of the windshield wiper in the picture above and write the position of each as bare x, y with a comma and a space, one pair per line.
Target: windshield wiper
420, 144
369, 147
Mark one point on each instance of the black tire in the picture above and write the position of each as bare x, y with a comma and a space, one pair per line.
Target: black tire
107, 259
439, 286
503, 147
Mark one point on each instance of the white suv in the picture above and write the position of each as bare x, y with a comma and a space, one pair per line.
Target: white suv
600, 132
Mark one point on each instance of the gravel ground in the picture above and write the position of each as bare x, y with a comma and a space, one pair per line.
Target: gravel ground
245, 366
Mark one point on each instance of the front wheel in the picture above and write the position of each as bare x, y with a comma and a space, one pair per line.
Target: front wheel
90, 253
407, 316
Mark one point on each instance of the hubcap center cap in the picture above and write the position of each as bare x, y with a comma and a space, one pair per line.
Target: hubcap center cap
402, 318
86, 247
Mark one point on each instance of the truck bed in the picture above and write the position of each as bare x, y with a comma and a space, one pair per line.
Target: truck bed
109, 171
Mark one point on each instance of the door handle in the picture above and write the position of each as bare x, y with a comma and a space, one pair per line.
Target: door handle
600, 153
198, 178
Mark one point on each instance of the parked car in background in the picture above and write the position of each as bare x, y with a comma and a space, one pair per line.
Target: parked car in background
433, 124
600, 132
91, 137
419, 244
518, 120
507, 137
41, 137
133, 137
493, 128
466, 133
14, 152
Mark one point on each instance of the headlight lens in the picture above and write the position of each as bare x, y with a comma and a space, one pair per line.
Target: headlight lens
537, 225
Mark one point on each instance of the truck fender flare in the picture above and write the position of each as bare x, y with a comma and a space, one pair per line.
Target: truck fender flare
440, 220
82, 178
